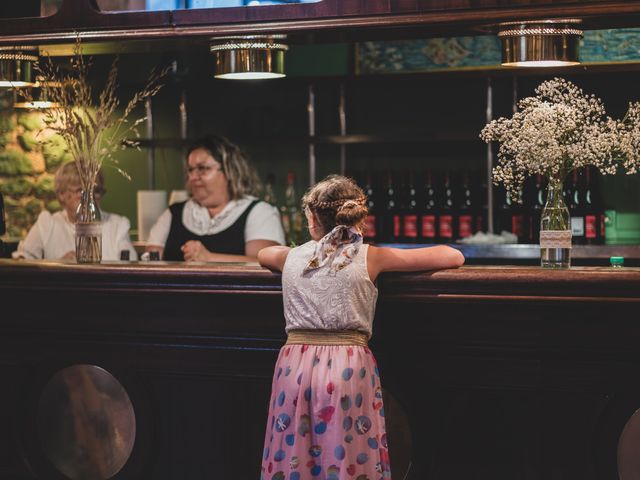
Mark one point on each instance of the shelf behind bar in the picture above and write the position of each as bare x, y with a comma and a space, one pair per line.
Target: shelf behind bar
532, 251
355, 139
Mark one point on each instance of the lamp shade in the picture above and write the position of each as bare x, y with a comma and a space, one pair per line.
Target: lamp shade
541, 43
16, 66
249, 57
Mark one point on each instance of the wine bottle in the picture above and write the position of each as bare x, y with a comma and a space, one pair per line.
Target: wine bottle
429, 211
446, 219
269, 190
573, 198
466, 208
389, 221
593, 209
511, 216
480, 201
409, 215
370, 233
535, 199
291, 214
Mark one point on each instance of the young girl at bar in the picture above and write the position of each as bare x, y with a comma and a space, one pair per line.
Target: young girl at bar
326, 418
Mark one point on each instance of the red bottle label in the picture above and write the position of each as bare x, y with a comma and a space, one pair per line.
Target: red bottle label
370, 227
446, 226
590, 226
517, 225
479, 221
410, 226
396, 226
429, 226
465, 223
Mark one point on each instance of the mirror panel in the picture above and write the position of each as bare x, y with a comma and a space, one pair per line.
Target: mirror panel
160, 5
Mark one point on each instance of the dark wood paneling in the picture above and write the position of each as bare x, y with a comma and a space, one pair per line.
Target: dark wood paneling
495, 372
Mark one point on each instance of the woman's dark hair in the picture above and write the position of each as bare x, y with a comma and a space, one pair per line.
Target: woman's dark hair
242, 179
337, 200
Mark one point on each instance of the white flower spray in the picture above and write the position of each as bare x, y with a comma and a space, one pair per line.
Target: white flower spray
559, 130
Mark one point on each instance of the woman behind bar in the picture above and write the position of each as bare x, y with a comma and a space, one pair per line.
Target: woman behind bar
223, 221
53, 235
326, 415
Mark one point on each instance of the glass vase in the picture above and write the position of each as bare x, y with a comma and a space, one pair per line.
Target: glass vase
88, 229
555, 229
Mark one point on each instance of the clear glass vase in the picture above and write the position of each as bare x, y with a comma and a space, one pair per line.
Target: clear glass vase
555, 229
88, 229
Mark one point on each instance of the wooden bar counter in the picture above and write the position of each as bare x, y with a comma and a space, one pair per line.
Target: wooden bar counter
489, 372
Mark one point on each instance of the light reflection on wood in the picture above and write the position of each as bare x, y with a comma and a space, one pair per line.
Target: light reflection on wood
86, 423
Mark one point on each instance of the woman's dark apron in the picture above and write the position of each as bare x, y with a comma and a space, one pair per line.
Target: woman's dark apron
229, 241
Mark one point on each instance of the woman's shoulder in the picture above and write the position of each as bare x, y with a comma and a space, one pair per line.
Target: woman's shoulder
46, 216
46, 220
261, 207
114, 219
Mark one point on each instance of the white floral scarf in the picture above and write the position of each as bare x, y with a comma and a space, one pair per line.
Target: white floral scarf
337, 249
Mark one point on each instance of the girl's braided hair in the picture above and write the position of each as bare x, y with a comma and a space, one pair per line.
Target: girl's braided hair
337, 200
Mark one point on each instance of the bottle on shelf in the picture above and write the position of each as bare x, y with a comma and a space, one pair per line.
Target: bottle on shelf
466, 209
573, 198
447, 219
389, 218
269, 195
429, 211
511, 216
534, 201
409, 210
593, 208
480, 202
370, 233
291, 214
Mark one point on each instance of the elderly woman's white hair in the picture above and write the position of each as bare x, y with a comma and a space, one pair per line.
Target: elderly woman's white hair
67, 176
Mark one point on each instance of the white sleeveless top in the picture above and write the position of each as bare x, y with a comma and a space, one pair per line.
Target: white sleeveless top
321, 300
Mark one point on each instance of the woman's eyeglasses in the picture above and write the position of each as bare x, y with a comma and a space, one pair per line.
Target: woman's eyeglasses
78, 191
201, 170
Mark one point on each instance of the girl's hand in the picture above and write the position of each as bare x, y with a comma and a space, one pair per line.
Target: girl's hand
195, 251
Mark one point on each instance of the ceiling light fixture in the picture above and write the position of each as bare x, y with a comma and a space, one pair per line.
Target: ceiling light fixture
541, 43
16, 66
249, 57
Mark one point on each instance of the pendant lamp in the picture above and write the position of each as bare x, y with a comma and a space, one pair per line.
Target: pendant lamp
541, 43
16, 66
249, 57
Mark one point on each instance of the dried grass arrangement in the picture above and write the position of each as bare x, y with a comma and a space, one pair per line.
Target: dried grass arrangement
91, 125
93, 129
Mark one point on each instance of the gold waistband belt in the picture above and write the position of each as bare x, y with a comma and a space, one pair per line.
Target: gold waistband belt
327, 337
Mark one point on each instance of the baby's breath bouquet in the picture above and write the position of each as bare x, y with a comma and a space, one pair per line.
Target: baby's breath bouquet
93, 129
558, 130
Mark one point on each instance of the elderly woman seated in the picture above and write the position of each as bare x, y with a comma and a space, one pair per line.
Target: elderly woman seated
53, 235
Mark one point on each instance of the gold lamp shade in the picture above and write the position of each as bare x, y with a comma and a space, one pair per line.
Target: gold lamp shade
249, 57
16, 66
540, 43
